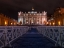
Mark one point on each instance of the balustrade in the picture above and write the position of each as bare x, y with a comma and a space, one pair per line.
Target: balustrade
55, 33
10, 33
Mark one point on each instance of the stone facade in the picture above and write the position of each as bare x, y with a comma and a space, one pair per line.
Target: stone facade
58, 17
32, 18
4, 20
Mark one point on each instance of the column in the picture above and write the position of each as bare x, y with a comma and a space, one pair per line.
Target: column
28, 20
41, 20
23, 20
36, 20
32, 20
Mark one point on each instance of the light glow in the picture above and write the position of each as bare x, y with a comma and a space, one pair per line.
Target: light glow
47, 23
11, 23
5, 22
59, 23
53, 23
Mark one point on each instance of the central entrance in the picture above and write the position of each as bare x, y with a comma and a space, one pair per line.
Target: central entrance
31, 21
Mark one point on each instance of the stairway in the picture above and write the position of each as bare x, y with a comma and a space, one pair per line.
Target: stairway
33, 39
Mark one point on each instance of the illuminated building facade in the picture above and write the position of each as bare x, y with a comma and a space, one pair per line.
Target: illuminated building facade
7, 21
32, 18
58, 17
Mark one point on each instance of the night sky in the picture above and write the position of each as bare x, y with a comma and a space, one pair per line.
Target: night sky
11, 7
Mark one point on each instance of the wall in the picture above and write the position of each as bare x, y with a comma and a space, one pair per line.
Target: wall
59, 16
6, 21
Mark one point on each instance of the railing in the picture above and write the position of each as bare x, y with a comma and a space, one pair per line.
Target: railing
10, 33
56, 33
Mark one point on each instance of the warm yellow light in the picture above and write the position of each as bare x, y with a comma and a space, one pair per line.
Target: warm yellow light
5, 23
47, 22
53, 23
59, 23
11, 23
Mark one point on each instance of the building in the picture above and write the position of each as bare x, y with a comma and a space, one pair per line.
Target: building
51, 20
32, 18
7, 21
58, 17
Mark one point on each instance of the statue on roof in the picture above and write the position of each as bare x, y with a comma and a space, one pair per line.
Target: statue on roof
32, 8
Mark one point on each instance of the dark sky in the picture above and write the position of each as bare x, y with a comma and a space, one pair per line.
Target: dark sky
11, 7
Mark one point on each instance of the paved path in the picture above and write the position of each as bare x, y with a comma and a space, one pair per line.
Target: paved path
32, 39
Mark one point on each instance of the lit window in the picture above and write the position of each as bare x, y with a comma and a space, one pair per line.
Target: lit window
53, 23
11, 23
5, 22
47, 22
59, 23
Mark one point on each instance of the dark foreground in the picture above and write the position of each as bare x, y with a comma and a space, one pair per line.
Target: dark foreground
32, 39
